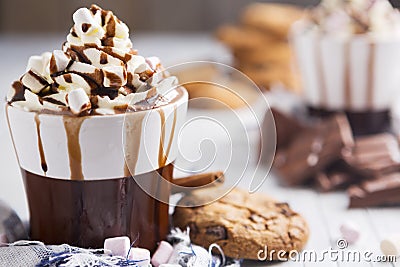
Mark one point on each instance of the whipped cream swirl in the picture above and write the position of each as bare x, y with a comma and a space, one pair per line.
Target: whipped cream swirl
349, 17
96, 72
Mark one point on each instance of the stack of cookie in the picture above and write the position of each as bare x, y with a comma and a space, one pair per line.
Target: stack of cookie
260, 43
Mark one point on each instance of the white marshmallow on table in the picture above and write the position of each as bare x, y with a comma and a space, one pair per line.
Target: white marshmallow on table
162, 254
350, 232
391, 246
141, 256
119, 246
34, 81
78, 101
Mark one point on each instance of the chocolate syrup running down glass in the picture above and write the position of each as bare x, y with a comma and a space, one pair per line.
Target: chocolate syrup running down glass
84, 213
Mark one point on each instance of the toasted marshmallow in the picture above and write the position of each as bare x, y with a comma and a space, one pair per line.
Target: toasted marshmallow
78, 101
114, 76
34, 81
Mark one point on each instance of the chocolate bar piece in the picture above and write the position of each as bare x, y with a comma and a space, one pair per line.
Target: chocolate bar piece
337, 176
313, 150
375, 155
286, 128
382, 191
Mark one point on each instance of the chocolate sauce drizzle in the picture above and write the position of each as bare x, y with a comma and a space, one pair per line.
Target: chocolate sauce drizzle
162, 157
371, 78
72, 127
43, 162
133, 131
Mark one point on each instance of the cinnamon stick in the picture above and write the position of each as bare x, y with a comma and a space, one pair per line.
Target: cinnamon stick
199, 180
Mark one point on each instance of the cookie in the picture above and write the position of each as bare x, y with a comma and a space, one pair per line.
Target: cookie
266, 75
239, 37
242, 224
277, 52
273, 18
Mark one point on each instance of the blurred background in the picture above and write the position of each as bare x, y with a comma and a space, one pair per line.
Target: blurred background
20, 16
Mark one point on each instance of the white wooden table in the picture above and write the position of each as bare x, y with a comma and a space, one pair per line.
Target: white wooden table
324, 212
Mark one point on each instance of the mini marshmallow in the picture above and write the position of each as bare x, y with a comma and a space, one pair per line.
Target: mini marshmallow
162, 254
391, 246
31, 102
119, 246
350, 232
141, 256
153, 62
86, 24
59, 61
114, 76
34, 81
78, 101
35, 63
137, 64
70, 81
59, 97
95, 56
87, 70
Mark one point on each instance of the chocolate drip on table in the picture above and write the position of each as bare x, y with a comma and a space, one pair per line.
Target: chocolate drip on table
40, 145
72, 127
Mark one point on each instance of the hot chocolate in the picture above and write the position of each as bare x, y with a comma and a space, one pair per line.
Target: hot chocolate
95, 129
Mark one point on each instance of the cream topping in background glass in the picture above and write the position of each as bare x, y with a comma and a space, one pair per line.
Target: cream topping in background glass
377, 18
96, 72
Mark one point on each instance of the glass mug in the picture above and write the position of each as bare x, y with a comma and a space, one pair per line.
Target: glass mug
78, 172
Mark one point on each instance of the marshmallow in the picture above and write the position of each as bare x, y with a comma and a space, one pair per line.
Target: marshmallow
141, 256
34, 81
100, 59
31, 102
70, 81
391, 246
119, 246
78, 101
153, 62
59, 61
86, 24
137, 64
162, 254
350, 232
114, 76
58, 97
87, 70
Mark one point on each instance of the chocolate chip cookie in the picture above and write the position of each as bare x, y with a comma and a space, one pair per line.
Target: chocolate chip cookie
242, 223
